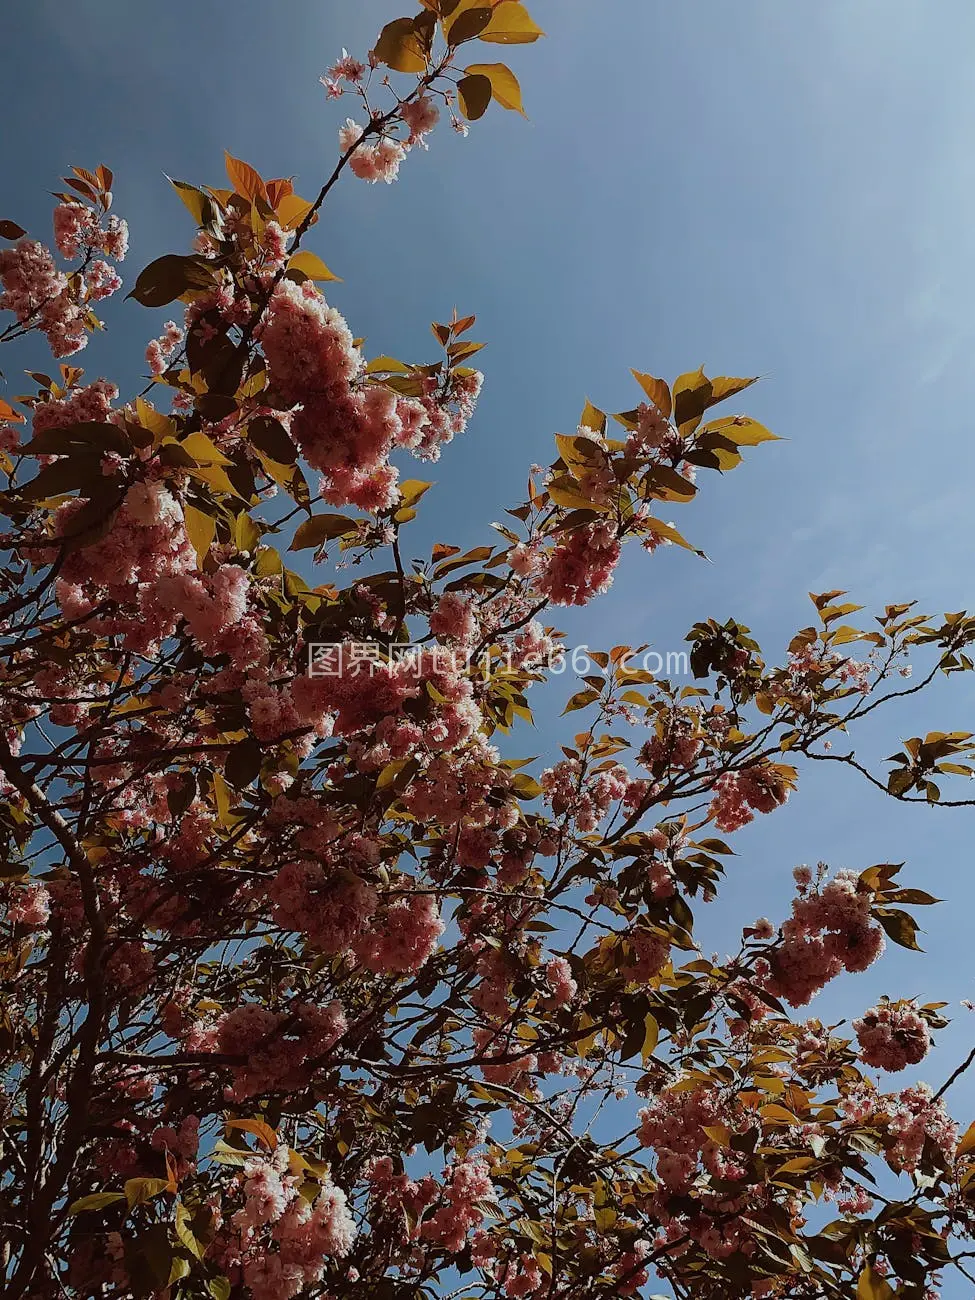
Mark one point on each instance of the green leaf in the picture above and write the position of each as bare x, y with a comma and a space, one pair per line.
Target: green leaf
96, 1201
184, 1231
139, 1190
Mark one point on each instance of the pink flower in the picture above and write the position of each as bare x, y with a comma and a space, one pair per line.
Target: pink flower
101, 280
421, 116
31, 905
346, 68
405, 939
453, 619
76, 229
558, 974
892, 1037
581, 565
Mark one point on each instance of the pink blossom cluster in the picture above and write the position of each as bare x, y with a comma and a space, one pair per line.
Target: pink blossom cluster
739, 795
38, 294
912, 1118
404, 937
673, 1126
830, 930
372, 162
808, 662
588, 798
677, 750
524, 1278
332, 908
628, 1272
380, 159
279, 1047
466, 1190
29, 905
504, 1058
373, 695
558, 976
78, 230
147, 542
653, 433
453, 619
580, 565
346, 68
347, 427
306, 1233
42, 297
468, 790
892, 1036
401, 1197
87, 403
161, 349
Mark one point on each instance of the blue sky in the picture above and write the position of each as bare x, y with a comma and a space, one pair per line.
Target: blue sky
767, 188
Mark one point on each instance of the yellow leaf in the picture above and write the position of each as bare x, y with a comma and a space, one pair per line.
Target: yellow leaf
723, 386
650, 1038
719, 1133
216, 477
8, 413
263, 1131
412, 489
245, 180
967, 1144
153, 420
656, 390
581, 454
741, 429
770, 1084
292, 210
474, 95
871, 1285
203, 451
774, 1114
201, 529
399, 48
511, 24
504, 84
221, 797
312, 266
605, 1219
193, 198
564, 493
138, 1190
96, 1201
668, 533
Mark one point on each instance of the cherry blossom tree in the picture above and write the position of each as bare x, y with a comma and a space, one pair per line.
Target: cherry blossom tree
311, 986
